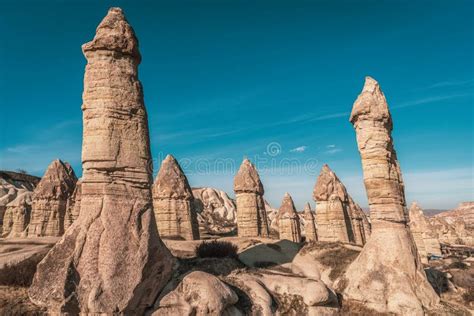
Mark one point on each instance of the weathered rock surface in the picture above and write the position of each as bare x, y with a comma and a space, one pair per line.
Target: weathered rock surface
464, 212
453, 232
111, 260
388, 275
309, 224
216, 211
17, 215
173, 202
426, 238
73, 206
13, 184
199, 293
251, 214
50, 200
338, 217
288, 220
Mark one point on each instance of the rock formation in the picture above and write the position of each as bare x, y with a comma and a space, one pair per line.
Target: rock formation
309, 226
288, 220
464, 211
17, 215
251, 215
216, 211
111, 260
50, 198
173, 203
387, 276
425, 236
13, 184
338, 217
73, 206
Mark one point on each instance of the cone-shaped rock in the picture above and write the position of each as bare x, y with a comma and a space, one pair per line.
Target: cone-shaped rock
73, 206
288, 220
338, 217
17, 215
251, 215
387, 275
173, 202
111, 260
426, 238
309, 225
50, 198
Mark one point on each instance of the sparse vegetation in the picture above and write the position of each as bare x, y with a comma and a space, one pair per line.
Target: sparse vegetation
468, 296
458, 265
264, 264
216, 249
21, 273
338, 259
350, 307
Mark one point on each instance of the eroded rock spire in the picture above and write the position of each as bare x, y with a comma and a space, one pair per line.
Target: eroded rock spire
50, 200
173, 202
251, 214
387, 276
309, 224
288, 220
111, 260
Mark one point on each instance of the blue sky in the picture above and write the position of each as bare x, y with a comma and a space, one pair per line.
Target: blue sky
270, 80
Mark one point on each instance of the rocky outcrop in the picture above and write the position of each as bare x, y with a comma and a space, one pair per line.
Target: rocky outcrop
173, 203
111, 260
50, 200
309, 225
73, 206
13, 184
216, 211
288, 220
423, 232
387, 276
453, 232
251, 214
17, 215
199, 293
464, 212
338, 217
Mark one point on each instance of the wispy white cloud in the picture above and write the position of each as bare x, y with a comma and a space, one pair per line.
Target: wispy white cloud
332, 149
299, 149
451, 83
427, 100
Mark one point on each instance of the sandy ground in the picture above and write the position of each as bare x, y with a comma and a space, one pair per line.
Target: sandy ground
18, 249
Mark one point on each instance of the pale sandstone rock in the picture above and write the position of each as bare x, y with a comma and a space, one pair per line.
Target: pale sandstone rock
387, 276
17, 215
10, 184
73, 206
288, 220
452, 232
199, 293
251, 214
216, 211
464, 211
338, 217
426, 238
173, 202
50, 199
111, 260
309, 226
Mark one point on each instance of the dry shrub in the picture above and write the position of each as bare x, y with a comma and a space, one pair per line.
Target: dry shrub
216, 249
468, 296
21, 273
458, 265
338, 259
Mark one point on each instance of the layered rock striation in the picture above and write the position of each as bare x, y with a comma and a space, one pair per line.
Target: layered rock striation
173, 202
338, 217
288, 220
73, 206
111, 260
309, 224
388, 275
17, 215
251, 214
50, 200
424, 234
